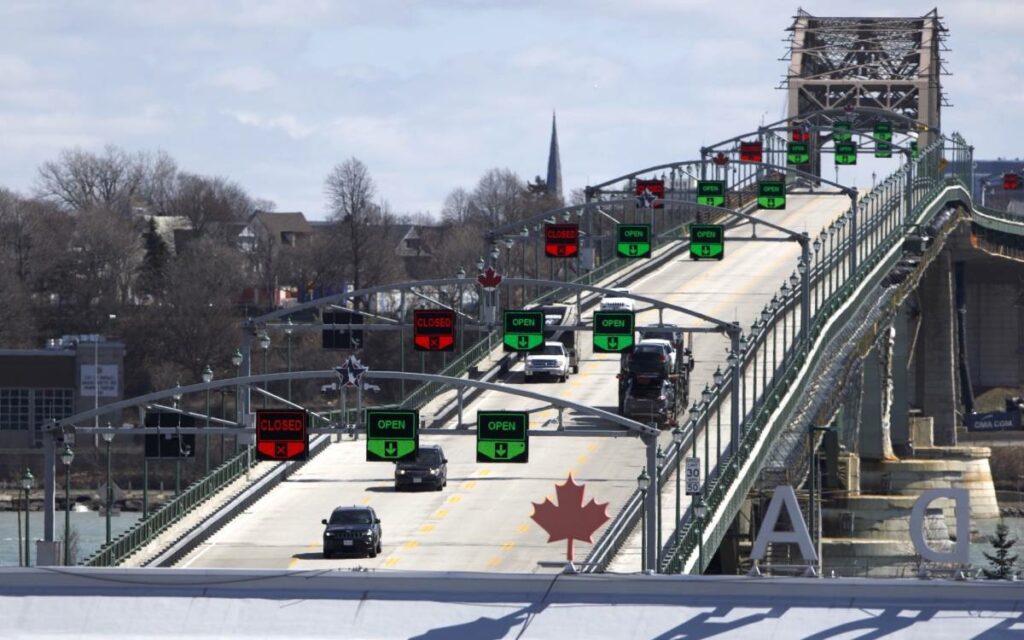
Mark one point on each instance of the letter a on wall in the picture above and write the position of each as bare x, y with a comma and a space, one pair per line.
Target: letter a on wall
784, 496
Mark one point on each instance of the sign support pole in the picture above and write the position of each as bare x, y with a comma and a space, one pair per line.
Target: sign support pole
651, 523
459, 426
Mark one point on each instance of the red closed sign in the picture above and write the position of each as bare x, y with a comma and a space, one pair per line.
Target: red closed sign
561, 240
750, 151
1011, 181
281, 435
433, 329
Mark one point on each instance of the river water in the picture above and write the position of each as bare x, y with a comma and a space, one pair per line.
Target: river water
90, 526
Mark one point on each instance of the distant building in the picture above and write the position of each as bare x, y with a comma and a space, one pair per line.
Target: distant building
40, 385
281, 229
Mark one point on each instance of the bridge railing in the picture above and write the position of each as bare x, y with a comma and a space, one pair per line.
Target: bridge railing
882, 221
885, 217
145, 530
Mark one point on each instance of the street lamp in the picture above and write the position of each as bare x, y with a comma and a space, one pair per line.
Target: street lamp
460, 274
27, 482
643, 483
96, 373
264, 341
677, 439
480, 264
700, 510
236, 359
288, 330
718, 376
66, 456
661, 465
207, 379
108, 437
177, 459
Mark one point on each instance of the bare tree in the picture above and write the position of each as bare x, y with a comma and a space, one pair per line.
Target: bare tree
458, 207
107, 251
196, 319
79, 180
499, 198
207, 201
362, 227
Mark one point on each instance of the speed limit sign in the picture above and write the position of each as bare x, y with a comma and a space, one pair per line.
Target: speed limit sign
692, 476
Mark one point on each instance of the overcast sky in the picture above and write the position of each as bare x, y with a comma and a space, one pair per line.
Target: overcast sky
431, 94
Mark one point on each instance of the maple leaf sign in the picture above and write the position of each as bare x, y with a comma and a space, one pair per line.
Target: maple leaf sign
570, 519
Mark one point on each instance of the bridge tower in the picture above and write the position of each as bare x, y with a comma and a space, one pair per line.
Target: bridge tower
884, 63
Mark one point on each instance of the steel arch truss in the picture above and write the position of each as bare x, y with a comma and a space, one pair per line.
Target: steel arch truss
886, 63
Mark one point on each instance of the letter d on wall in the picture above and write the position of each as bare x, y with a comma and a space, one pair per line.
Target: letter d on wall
962, 501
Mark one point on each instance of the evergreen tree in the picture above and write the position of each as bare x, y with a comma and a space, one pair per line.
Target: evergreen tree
1002, 562
154, 262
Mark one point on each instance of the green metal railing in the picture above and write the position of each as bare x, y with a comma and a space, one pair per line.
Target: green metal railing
883, 220
146, 529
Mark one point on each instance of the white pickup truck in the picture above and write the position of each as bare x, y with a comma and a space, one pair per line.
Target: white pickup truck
553, 360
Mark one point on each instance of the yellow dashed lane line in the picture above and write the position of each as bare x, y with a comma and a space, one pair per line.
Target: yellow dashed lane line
427, 528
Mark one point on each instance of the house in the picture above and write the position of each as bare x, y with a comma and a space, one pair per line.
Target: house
266, 234
281, 229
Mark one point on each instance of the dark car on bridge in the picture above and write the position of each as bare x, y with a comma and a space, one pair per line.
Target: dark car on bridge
352, 530
428, 470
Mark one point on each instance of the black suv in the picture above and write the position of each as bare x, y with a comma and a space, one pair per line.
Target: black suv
353, 530
429, 469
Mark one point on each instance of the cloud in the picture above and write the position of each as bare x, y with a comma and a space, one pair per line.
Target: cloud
245, 79
287, 123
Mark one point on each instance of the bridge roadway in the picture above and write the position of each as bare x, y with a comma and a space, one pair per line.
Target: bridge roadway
481, 521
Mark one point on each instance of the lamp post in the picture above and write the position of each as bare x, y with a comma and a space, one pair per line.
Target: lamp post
508, 269
264, 341
524, 233
700, 511
27, 482
643, 482
177, 459
661, 465
705, 397
108, 437
794, 280
207, 378
236, 360
734, 363
677, 439
96, 373
718, 377
66, 456
288, 330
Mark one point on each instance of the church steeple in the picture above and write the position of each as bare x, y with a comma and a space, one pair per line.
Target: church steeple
554, 180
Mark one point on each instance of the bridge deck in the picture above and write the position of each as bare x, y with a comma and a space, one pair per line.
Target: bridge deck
481, 521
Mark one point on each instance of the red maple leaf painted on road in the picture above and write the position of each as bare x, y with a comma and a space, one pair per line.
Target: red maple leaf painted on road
570, 520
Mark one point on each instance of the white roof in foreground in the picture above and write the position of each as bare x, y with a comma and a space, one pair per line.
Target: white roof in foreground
39, 603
